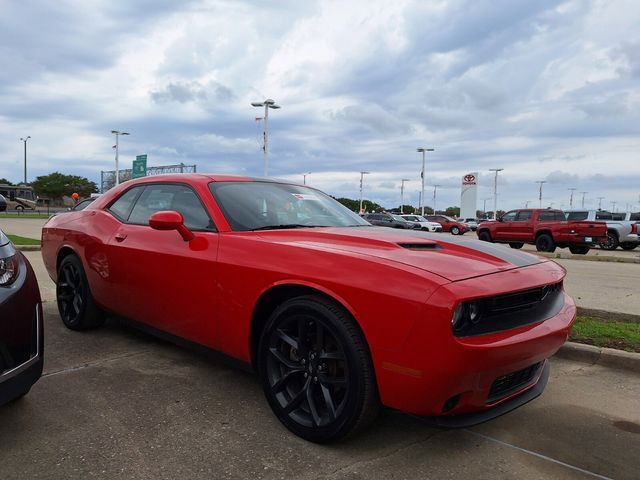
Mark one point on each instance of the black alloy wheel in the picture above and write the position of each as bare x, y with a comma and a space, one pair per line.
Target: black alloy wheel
579, 249
628, 245
545, 243
485, 236
516, 245
75, 303
610, 242
455, 231
316, 370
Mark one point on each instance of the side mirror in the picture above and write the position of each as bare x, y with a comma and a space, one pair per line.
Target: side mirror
171, 220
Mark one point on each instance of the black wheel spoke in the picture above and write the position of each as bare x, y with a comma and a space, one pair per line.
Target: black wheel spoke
284, 379
331, 356
336, 382
298, 398
328, 400
290, 364
312, 406
288, 339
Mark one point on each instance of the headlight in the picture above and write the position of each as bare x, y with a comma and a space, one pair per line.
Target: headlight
8, 270
464, 314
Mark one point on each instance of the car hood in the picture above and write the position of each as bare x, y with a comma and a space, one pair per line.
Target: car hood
452, 258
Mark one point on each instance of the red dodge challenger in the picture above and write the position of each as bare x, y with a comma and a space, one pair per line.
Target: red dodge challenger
337, 317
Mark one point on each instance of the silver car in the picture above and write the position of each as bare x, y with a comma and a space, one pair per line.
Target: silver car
423, 223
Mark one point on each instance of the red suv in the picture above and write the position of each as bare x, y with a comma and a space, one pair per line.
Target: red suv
449, 224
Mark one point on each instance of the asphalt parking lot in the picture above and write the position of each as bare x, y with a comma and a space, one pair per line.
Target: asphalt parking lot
117, 403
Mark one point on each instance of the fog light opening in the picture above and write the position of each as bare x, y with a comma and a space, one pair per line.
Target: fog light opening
451, 403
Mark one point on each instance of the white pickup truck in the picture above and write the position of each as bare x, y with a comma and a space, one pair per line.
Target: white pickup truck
622, 228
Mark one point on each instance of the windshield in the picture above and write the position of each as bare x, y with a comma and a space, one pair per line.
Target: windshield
270, 205
398, 218
421, 219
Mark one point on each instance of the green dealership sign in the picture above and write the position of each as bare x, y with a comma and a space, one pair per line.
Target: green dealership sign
139, 166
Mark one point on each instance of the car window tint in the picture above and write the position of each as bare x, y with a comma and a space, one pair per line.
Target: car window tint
635, 217
122, 206
618, 216
523, 216
179, 198
603, 216
509, 217
577, 215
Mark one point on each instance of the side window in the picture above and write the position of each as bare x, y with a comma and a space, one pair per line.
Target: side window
545, 216
180, 198
523, 216
509, 217
577, 215
635, 217
603, 216
122, 206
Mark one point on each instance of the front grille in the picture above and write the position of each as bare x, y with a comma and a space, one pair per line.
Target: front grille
508, 384
513, 310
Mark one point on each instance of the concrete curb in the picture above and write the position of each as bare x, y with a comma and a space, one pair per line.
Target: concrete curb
592, 258
29, 248
607, 357
607, 316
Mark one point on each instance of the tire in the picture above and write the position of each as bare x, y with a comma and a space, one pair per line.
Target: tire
579, 250
628, 245
19, 208
77, 308
455, 231
516, 245
545, 243
611, 242
322, 387
485, 236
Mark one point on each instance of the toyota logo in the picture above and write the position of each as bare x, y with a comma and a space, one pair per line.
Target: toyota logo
469, 178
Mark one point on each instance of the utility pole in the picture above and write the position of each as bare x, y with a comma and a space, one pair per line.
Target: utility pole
435, 188
571, 197
484, 206
600, 203
304, 177
423, 150
613, 207
495, 192
24, 140
583, 194
267, 104
362, 174
117, 133
402, 194
541, 182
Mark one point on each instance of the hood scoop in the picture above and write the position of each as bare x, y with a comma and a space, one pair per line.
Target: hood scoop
420, 246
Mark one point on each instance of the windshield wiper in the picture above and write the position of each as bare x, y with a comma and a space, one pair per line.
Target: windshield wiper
284, 226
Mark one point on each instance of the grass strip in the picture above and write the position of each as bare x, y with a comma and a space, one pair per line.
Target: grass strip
611, 334
18, 240
38, 216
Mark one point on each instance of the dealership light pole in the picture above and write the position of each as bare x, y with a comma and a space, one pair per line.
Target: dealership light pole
424, 151
495, 192
402, 194
435, 189
267, 104
117, 133
571, 197
583, 194
541, 182
484, 206
24, 140
600, 203
304, 177
362, 174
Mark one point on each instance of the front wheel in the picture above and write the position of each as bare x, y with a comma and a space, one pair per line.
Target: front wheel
484, 236
610, 242
455, 231
75, 302
579, 250
516, 245
316, 370
545, 243
628, 245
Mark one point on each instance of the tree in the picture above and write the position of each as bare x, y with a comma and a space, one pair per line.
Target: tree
452, 211
354, 205
4, 181
56, 185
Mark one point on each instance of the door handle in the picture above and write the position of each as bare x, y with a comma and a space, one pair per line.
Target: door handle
120, 237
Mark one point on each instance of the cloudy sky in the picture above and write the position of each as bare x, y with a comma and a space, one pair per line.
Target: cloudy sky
547, 90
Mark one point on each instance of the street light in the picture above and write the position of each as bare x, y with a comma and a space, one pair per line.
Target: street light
423, 150
435, 188
495, 192
541, 182
484, 206
583, 194
117, 133
600, 202
24, 140
267, 104
304, 177
362, 174
571, 197
402, 194
526, 204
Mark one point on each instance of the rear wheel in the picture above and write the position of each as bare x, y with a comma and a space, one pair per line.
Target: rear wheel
545, 243
485, 236
610, 242
75, 302
516, 245
455, 231
19, 208
579, 250
316, 370
628, 245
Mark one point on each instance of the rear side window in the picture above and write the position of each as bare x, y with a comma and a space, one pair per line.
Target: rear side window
603, 216
524, 216
618, 216
635, 217
122, 206
577, 215
554, 215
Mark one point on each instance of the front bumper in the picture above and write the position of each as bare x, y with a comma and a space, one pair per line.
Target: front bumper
436, 374
21, 334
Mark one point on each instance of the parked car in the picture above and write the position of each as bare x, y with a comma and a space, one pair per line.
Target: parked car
472, 223
21, 338
422, 223
336, 316
545, 228
449, 224
81, 205
3, 204
385, 219
621, 230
